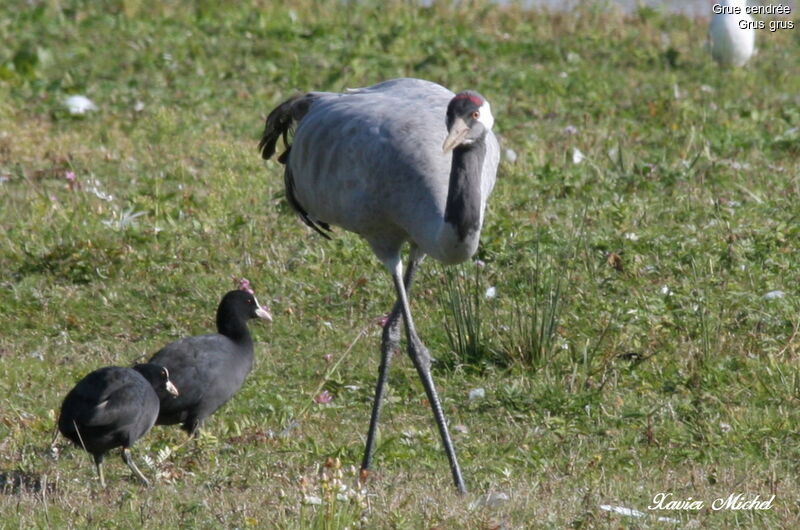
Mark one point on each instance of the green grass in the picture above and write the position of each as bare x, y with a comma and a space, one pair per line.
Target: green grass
669, 370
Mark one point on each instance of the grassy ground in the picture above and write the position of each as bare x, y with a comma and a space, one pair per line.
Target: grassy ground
630, 348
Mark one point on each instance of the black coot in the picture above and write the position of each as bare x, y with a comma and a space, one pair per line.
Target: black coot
210, 369
113, 407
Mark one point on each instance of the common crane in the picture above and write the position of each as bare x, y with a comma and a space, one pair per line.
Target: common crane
405, 160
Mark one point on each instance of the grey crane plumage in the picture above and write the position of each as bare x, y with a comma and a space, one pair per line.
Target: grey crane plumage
405, 160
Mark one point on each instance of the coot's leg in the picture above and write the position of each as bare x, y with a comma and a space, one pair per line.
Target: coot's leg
126, 456
98, 462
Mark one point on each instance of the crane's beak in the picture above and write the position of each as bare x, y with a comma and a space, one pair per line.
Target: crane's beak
458, 131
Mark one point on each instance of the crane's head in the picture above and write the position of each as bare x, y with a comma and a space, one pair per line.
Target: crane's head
469, 117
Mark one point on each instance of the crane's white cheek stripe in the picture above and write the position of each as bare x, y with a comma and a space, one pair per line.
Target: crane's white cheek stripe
486, 117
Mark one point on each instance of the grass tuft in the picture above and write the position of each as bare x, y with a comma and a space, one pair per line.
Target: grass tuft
463, 320
528, 329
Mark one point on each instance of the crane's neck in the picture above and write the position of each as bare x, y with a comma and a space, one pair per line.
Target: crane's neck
463, 211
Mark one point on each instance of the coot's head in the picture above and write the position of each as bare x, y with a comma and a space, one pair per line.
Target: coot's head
158, 376
242, 305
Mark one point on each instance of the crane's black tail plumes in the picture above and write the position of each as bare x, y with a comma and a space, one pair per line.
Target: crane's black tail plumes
280, 123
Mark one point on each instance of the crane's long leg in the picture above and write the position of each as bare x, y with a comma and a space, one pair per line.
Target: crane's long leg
389, 342
126, 456
422, 362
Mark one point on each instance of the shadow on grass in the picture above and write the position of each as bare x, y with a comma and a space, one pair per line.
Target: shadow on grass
15, 482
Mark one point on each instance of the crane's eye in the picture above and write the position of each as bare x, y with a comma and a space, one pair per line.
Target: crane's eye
476, 115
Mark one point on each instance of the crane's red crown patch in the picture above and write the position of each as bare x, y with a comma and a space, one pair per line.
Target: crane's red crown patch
473, 98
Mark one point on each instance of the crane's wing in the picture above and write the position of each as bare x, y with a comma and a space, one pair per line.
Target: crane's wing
281, 122
406, 87
394, 130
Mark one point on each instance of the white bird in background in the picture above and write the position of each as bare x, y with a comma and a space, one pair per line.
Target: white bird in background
731, 34
402, 161
79, 104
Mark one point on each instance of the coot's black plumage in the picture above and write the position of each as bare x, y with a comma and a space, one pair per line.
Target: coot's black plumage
210, 369
113, 407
